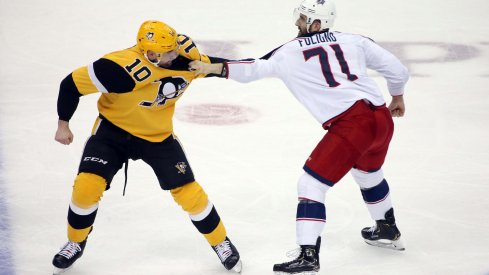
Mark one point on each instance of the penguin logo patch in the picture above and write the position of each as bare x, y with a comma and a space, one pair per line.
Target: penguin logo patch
182, 167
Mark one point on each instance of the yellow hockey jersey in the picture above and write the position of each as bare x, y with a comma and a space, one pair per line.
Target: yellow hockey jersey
138, 96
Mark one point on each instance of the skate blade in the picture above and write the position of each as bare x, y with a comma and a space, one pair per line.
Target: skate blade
61, 270
58, 271
238, 267
394, 245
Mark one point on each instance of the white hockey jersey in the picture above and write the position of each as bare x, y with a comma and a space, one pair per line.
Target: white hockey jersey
327, 71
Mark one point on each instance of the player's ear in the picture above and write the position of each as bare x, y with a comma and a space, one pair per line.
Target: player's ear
151, 54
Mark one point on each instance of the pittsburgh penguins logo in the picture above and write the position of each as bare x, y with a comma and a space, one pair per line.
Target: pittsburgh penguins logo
181, 167
170, 87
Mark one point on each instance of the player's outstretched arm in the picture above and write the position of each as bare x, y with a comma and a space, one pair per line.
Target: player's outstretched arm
397, 107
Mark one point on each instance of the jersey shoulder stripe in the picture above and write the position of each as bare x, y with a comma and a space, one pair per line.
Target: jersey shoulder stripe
112, 76
271, 53
268, 55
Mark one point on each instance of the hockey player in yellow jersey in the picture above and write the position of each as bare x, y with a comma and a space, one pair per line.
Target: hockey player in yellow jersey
139, 87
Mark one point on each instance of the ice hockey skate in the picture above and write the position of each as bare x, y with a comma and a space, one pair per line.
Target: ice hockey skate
229, 255
384, 233
68, 254
307, 263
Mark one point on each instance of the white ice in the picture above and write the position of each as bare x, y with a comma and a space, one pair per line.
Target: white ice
437, 167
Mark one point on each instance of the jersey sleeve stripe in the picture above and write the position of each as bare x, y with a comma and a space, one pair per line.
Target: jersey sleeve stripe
241, 62
95, 81
83, 82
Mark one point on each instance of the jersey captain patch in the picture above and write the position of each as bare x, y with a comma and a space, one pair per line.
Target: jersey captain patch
169, 88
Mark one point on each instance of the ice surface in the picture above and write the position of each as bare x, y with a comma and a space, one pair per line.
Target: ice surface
437, 165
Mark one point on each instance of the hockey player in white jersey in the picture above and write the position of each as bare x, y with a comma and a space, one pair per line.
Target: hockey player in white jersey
327, 72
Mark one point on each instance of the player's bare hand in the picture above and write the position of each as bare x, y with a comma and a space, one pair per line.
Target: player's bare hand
199, 67
397, 107
63, 134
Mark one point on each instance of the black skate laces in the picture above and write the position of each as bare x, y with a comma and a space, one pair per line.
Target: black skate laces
69, 250
223, 250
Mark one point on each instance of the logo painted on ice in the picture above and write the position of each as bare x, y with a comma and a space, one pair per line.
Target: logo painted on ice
321, 2
182, 167
94, 159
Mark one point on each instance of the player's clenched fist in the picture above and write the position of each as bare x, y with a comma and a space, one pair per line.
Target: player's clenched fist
200, 67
